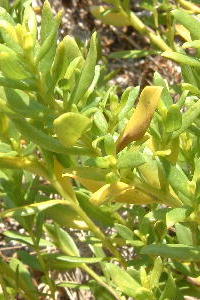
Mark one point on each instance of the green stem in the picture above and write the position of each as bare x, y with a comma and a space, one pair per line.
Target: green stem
3, 286
144, 30
101, 282
92, 226
43, 265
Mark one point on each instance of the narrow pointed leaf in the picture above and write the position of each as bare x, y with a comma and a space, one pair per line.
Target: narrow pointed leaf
141, 118
69, 127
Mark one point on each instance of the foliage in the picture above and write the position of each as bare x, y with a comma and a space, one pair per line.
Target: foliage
77, 153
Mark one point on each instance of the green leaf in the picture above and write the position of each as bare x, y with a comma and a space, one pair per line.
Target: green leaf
31, 209
4, 15
190, 22
17, 84
178, 180
6, 150
109, 145
192, 44
173, 120
188, 118
74, 285
64, 215
69, 127
41, 139
165, 96
29, 260
170, 290
100, 121
25, 239
11, 276
87, 73
127, 101
131, 53
184, 234
78, 259
174, 251
177, 215
10, 64
190, 87
47, 22
130, 159
123, 280
30, 22
25, 104
46, 46
63, 240
9, 36
24, 276
156, 272
182, 58
124, 231
52, 263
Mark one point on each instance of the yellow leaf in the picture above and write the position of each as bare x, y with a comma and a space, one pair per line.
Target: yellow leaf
183, 32
135, 196
121, 192
141, 118
110, 17
108, 192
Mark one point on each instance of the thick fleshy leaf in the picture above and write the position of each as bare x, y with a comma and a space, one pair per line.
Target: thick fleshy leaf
110, 17
30, 209
78, 259
121, 192
127, 101
87, 73
156, 272
165, 96
124, 231
173, 120
188, 118
189, 21
141, 118
131, 53
184, 234
100, 121
174, 251
10, 64
63, 240
130, 159
70, 126
176, 215
124, 282
182, 58
25, 239
192, 44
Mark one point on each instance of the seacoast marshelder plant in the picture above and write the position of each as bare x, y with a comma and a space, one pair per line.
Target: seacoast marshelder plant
77, 155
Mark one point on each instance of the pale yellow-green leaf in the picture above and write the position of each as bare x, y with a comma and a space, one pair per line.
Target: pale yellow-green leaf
110, 17
69, 127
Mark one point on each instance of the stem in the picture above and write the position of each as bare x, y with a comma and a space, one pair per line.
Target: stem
144, 30
42, 263
3, 286
100, 281
92, 226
